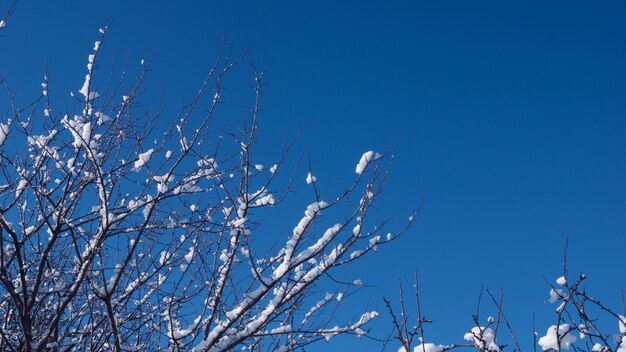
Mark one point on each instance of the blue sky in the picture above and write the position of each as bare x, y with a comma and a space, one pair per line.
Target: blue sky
506, 118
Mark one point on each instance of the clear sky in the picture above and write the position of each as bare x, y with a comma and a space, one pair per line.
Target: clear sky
508, 118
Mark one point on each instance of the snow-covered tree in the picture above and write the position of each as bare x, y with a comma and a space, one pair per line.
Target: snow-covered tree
122, 230
581, 323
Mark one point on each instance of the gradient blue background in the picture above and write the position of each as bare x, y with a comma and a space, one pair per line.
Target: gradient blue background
507, 118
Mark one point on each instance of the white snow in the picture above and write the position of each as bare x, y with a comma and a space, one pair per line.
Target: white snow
328, 334
85, 88
183, 144
102, 118
483, 338
265, 200
549, 341
80, 130
622, 324
309, 214
182, 333
86, 132
189, 255
162, 182
148, 207
258, 167
116, 274
224, 256
556, 295
356, 253
4, 131
92, 59
2, 24
582, 331
562, 281
238, 222
20, 188
142, 159
426, 347
310, 178
374, 241
365, 318
281, 329
365, 160
165, 256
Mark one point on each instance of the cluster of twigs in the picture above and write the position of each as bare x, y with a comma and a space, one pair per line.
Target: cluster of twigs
582, 323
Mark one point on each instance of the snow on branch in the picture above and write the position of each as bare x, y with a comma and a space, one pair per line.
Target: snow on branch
583, 323
124, 231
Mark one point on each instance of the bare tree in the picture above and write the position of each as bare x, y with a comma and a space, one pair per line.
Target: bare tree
122, 231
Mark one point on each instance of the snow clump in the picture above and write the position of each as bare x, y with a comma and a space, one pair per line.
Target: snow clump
550, 340
365, 160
